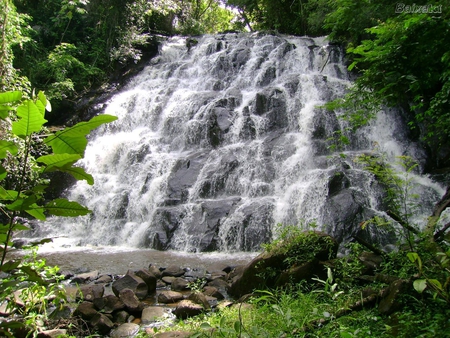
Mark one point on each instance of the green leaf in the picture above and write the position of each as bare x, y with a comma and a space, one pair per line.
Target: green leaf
63, 207
237, 326
420, 285
31, 120
10, 265
10, 97
6, 99
7, 146
72, 140
56, 161
33, 275
3, 172
36, 211
79, 174
21, 204
205, 326
435, 283
20, 227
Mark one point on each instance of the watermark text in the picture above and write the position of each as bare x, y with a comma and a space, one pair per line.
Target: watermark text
432, 9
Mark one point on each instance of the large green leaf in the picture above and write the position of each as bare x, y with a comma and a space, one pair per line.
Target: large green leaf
63, 207
36, 211
7, 146
79, 174
56, 161
31, 120
5, 99
8, 195
10, 97
3, 172
72, 140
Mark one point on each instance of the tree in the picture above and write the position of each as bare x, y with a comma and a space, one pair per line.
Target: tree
14, 31
406, 64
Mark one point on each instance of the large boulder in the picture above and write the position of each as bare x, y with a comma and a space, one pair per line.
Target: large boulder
132, 282
292, 260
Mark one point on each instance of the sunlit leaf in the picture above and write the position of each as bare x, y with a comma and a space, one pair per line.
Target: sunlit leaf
420, 285
63, 207
31, 120
6, 146
72, 140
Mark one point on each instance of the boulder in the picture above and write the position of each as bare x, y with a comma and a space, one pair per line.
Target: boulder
131, 302
86, 311
121, 317
200, 298
299, 256
108, 304
85, 277
212, 291
167, 297
173, 271
132, 282
101, 324
179, 284
103, 279
90, 292
126, 330
187, 308
153, 269
151, 314
149, 279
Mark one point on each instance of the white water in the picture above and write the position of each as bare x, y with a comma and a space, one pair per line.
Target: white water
197, 109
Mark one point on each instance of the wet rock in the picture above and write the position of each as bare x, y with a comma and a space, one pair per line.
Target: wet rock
127, 330
152, 314
85, 277
90, 292
167, 297
103, 279
131, 302
187, 308
213, 292
86, 310
132, 282
153, 269
101, 323
173, 271
168, 280
148, 278
108, 304
179, 284
121, 317
200, 298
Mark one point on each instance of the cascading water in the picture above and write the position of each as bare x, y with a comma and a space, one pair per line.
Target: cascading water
219, 139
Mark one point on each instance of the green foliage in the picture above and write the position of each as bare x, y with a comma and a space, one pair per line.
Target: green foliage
402, 62
287, 17
300, 245
24, 197
14, 31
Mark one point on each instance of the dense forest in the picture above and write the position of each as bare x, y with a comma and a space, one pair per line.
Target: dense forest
397, 52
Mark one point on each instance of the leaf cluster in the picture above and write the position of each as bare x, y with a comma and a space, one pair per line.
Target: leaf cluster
24, 199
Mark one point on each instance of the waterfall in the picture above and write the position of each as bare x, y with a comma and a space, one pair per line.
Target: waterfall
220, 138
